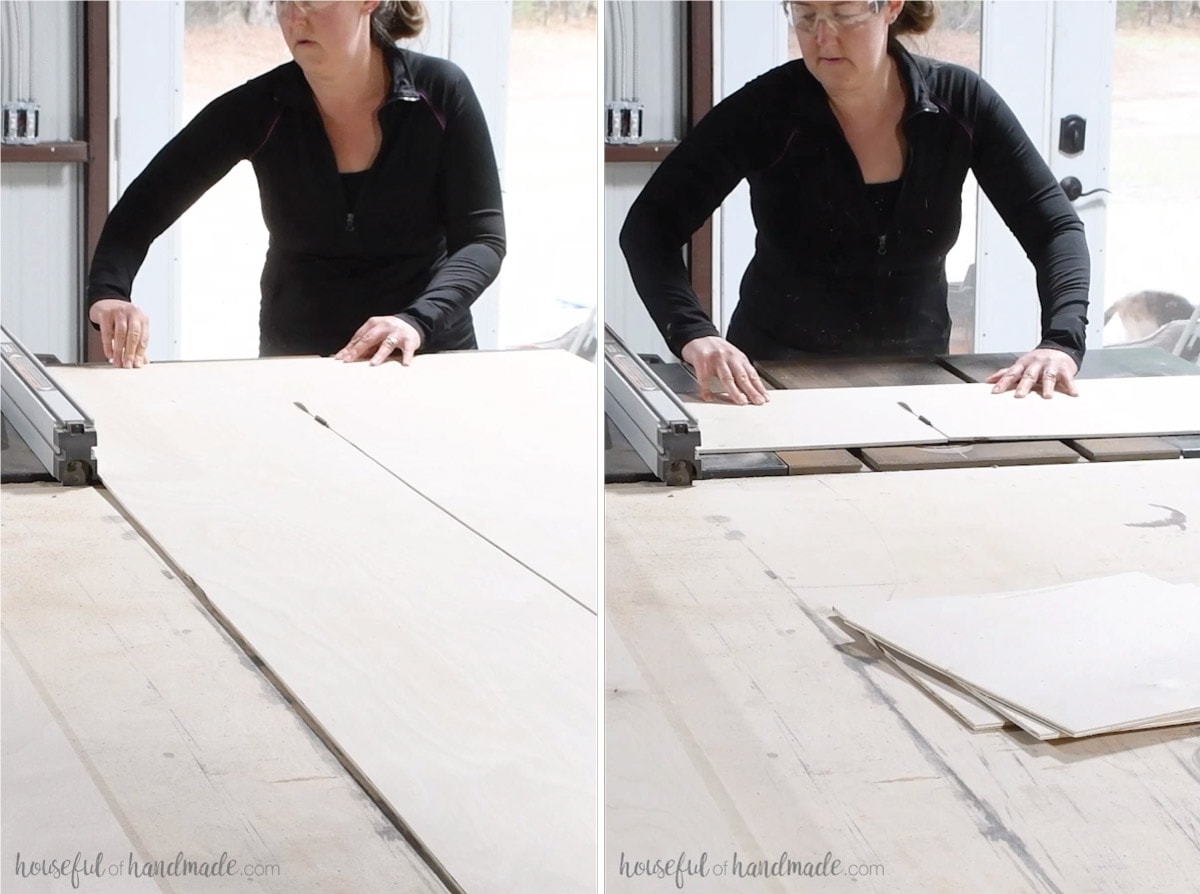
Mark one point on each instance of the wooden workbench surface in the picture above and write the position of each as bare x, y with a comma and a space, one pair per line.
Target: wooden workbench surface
133, 724
739, 719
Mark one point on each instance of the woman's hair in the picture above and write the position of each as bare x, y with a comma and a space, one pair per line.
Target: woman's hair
916, 17
395, 20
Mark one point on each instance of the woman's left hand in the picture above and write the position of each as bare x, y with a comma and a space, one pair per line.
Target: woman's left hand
378, 337
1045, 370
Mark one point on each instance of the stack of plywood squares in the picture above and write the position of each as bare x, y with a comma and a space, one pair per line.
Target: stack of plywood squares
1109, 655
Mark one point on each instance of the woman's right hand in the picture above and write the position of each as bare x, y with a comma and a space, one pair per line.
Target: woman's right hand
713, 357
124, 331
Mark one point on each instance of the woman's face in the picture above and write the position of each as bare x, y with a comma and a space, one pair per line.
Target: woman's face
844, 43
323, 35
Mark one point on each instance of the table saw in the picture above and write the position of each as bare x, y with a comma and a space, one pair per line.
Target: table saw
652, 433
746, 733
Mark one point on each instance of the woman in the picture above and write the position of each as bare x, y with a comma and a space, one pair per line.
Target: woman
856, 158
378, 184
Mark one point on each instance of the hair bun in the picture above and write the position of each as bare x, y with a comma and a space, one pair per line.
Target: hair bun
395, 20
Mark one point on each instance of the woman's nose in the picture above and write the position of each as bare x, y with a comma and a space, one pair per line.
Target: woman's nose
826, 33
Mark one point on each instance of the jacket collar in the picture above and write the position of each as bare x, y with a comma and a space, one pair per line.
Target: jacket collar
292, 89
920, 98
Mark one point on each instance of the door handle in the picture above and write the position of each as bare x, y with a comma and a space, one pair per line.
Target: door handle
1074, 188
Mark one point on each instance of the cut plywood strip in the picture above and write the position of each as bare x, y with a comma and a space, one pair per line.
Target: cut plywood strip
1041, 731
183, 765
1104, 408
1084, 658
813, 418
460, 684
964, 705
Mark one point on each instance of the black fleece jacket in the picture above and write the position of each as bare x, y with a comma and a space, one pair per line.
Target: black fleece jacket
424, 237
828, 275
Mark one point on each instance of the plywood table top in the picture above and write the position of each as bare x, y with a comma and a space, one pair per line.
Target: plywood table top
773, 730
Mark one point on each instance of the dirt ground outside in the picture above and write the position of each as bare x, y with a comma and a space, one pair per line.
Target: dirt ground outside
549, 176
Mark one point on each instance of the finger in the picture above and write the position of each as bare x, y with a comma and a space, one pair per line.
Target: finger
120, 332
386, 346
743, 380
704, 372
408, 349
353, 347
759, 388
1005, 379
1066, 383
1028, 380
133, 340
1048, 383
144, 344
357, 347
106, 336
725, 374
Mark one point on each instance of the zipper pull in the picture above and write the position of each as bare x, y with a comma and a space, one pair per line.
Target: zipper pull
882, 244
350, 223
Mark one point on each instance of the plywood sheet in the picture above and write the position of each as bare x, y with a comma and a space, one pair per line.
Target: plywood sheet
1084, 658
507, 440
1104, 407
968, 708
226, 766
461, 684
818, 418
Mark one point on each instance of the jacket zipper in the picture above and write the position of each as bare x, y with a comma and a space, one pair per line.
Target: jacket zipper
351, 213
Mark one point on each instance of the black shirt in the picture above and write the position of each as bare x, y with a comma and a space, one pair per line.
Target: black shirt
833, 272
421, 236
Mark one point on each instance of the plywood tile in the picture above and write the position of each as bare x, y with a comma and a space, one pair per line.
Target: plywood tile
1084, 658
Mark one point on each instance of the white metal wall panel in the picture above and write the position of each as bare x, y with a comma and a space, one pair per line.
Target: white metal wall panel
40, 261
